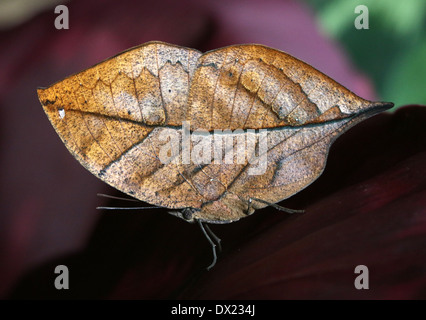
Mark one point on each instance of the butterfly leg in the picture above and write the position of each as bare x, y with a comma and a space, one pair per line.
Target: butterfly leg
274, 205
215, 237
209, 235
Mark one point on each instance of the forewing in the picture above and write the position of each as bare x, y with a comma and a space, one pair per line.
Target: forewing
111, 117
302, 110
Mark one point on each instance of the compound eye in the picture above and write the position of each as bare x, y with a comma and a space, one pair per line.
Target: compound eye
187, 213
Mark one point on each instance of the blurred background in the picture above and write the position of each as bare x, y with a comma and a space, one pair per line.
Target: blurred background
48, 200
392, 52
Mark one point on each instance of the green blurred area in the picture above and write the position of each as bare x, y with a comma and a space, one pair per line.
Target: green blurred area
392, 52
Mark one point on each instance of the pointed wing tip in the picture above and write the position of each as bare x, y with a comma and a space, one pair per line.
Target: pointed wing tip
46, 96
40, 91
377, 107
382, 106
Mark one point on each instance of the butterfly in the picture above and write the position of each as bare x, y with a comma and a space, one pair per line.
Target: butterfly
213, 136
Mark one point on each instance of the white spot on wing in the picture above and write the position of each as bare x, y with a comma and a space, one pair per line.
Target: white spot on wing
61, 113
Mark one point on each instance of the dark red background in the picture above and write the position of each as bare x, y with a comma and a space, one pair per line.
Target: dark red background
368, 208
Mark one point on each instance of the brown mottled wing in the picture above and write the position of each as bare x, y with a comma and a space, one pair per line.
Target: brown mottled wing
111, 117
252, 86
256, 87
118, 117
